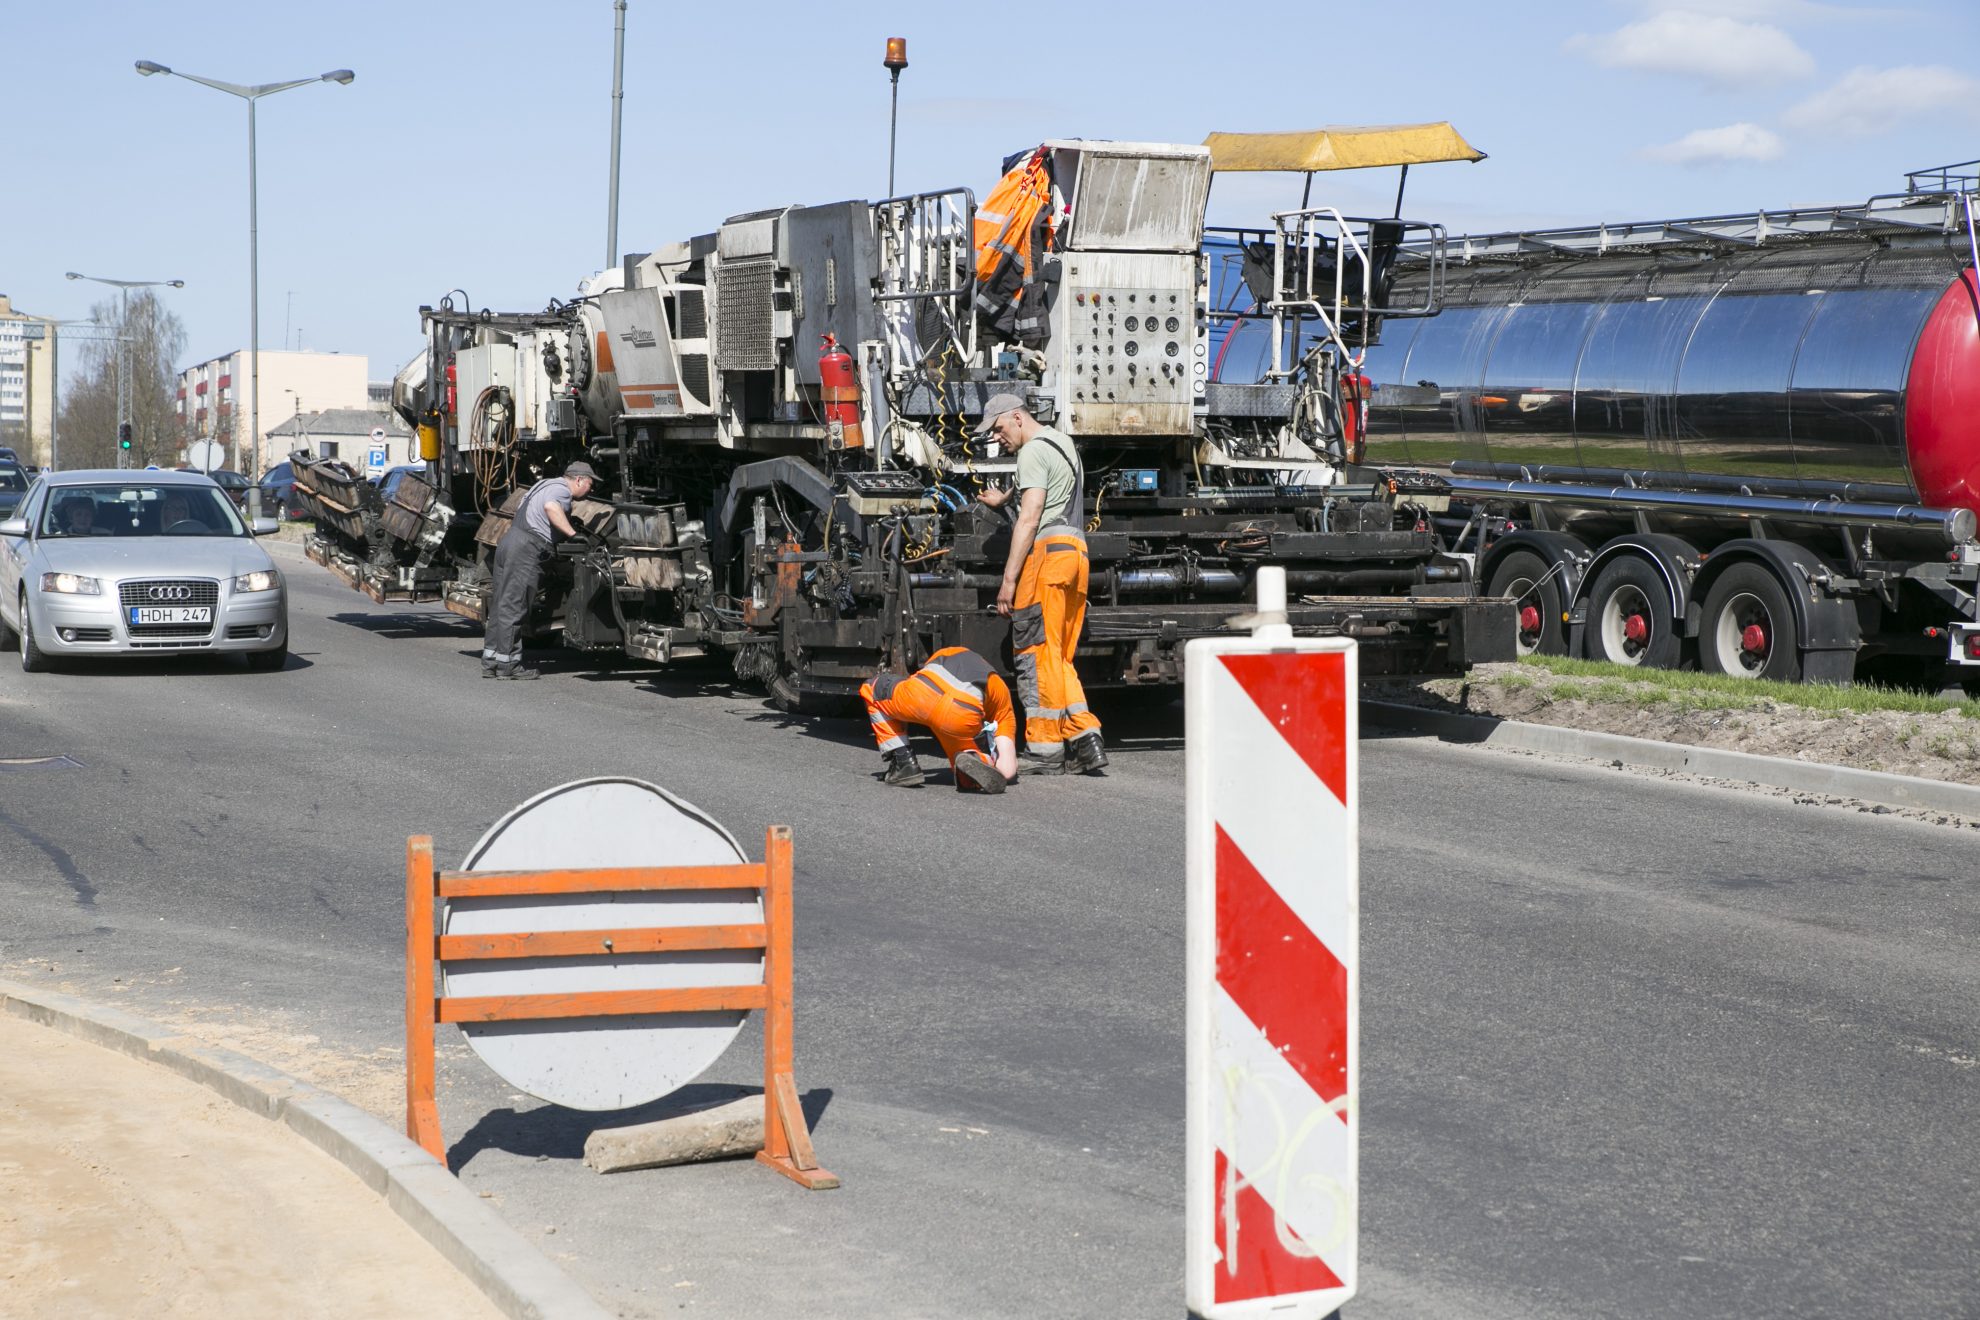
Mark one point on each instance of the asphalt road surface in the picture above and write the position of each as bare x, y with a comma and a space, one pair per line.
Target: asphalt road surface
1630, 1047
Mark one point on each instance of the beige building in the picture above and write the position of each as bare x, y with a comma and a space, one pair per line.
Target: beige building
357, 436
27, 383
216, 397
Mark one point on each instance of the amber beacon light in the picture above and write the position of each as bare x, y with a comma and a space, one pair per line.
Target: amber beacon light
896, 61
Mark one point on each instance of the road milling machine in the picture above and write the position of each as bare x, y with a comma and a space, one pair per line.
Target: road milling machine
782, 412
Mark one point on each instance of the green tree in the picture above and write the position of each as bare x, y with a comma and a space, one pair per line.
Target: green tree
156, 338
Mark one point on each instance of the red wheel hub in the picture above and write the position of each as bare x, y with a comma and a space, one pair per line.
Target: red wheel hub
1529, 619
1753, 639
1636, 630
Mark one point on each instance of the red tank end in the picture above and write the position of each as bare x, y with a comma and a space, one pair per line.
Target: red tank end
1942, 402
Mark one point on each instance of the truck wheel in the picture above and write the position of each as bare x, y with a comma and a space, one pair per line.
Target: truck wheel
1523, 576
1629, 617
1749, 629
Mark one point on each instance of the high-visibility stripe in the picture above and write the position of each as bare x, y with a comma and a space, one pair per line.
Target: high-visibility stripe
893, 743
1256, 822
1284, 1141
1309, 1032
942, 672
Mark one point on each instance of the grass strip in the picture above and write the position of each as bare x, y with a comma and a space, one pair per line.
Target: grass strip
1691, 690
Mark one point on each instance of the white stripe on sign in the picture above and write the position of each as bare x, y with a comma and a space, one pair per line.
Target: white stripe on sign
1249, 754
1288, 1145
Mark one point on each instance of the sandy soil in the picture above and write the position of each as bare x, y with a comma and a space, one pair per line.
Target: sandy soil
126, 1190
1944, 746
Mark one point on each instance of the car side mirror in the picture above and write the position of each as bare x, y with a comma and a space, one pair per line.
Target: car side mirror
264, 527
13, 527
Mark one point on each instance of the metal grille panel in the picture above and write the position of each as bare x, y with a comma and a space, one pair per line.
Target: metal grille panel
743, 326
694, 314
195, 593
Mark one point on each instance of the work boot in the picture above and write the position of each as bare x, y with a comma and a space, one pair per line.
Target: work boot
902, 768
517, 670
973, 772
1086, 754
1032, 763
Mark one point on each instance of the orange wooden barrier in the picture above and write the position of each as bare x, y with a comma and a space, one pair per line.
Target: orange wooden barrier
786, 1138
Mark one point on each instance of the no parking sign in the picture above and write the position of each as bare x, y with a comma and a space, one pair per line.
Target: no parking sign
1273, 898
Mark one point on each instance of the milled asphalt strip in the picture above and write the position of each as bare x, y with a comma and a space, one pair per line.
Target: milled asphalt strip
1777, 772
510, 1272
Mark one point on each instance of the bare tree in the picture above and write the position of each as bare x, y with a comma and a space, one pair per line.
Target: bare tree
156, 338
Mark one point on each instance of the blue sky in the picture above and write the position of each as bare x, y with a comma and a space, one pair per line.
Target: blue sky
472, 149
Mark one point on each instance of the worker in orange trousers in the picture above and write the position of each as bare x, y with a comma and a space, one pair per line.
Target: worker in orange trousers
957, 697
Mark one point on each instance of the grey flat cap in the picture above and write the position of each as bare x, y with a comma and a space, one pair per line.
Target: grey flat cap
994, 407
580, 469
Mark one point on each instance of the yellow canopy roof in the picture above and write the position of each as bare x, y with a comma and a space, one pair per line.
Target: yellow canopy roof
1339, 148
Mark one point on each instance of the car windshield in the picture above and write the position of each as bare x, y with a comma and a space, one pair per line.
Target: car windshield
12, 478
136, 509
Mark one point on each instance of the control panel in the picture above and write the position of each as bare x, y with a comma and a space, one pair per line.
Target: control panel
1131, 345
874, 493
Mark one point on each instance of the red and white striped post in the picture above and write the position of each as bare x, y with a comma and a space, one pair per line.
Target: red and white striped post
1273, 895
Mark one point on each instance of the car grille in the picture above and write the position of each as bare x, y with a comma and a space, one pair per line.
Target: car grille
241, 632
177, 644
196, 593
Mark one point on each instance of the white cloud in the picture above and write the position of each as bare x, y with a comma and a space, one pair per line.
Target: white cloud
1711, 146
1721, 51
1871, 101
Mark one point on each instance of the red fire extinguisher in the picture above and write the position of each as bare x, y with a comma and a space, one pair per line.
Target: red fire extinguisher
1354, 414
841, 390
451, 409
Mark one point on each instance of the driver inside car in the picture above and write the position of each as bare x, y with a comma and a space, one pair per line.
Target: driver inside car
174, 516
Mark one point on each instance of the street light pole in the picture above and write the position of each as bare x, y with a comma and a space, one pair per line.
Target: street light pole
124, 288
618, 112
251, 94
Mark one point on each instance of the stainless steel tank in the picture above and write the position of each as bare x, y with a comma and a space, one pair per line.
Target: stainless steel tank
1805, 366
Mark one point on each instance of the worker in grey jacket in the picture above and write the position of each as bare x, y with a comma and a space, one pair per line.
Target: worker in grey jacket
543, 515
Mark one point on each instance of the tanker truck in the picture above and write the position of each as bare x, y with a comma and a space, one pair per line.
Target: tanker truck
1746, 442
782, 409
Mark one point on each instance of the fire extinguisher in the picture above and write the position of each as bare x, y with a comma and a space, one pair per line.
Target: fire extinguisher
841, 390
1354, 415
452, 410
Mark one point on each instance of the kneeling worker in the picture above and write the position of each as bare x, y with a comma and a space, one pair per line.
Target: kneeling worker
957, 696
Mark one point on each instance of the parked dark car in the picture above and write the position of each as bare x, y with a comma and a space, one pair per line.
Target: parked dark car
234, 484
14, 482
278, 494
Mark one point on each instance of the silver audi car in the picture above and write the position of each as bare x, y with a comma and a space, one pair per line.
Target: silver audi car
120, 563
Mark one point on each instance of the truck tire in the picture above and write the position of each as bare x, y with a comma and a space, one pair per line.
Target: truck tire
1523, 575
1748, 628
1629, 617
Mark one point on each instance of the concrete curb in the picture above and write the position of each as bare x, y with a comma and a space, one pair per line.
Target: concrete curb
515, 1276
1777, 772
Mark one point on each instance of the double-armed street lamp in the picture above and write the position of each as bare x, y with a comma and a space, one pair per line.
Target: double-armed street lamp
251, 95
123, 288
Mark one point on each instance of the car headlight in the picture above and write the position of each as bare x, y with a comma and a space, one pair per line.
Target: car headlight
266, 579
71, 584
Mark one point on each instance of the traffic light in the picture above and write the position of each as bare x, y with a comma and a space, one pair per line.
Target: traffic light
123, 435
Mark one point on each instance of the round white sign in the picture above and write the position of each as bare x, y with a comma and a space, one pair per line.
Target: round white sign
205, 456
604, 1062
